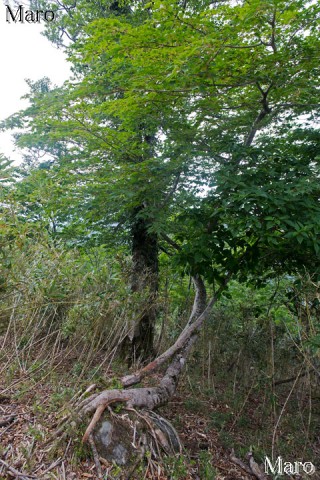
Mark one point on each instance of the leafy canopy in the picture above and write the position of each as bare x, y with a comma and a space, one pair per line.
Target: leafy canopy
193, 110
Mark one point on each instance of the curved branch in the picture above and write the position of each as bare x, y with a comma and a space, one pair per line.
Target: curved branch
200, 300
150, 398
199, 314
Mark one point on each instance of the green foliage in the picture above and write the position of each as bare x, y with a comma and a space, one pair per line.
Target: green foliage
6, 174
199, 118
263, 215
150, 107
206, 470
255, 340
243, 320
220, 419
176, 467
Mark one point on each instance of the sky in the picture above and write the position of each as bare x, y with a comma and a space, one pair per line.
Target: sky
24, 53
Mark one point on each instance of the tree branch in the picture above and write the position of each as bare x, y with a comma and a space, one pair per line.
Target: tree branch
266, 110
187, 337
170, 241
171, 191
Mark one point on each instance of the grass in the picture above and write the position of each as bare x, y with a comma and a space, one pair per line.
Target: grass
64, 328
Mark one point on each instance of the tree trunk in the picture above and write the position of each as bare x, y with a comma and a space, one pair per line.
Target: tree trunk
176, 355
145, 279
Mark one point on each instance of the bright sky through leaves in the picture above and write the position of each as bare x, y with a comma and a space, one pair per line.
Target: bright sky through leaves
24, 53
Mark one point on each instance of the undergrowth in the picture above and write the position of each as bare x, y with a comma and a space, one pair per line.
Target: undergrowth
254, 376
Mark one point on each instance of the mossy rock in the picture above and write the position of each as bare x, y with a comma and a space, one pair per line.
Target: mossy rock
124, 438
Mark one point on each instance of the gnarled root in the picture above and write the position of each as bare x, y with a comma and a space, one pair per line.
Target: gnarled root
149, 398
96, 417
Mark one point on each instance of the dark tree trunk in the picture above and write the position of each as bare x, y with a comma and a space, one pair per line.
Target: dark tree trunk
145, 279
176, 355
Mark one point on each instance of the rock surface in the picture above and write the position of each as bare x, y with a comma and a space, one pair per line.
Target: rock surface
123, 438
113, 440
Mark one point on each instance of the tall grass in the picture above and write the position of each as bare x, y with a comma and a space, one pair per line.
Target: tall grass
56, 299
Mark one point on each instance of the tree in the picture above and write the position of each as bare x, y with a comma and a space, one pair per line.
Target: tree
97, 161
171, 98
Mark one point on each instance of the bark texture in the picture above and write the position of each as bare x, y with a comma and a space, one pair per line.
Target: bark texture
146, 397
145, 279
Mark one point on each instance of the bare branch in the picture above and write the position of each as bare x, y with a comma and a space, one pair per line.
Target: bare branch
171, 191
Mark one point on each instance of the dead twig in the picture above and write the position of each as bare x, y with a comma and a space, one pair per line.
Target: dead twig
256, 470
7, 421
292, 379
253, 469
95, 456
23, 476
240, 463
52, 466
140, 455
8, 427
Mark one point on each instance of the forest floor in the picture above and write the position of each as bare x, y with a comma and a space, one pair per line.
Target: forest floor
33, 402
31, 407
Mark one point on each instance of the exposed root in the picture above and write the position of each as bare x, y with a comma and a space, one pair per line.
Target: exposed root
162, 436
200, 313
140, 456
96, 417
